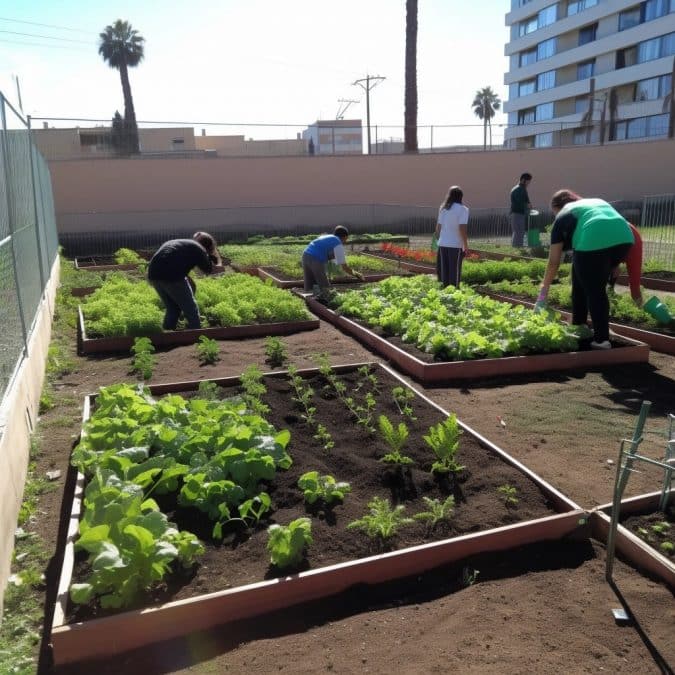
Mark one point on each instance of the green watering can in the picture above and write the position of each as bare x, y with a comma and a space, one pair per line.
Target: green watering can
434, 243
656, 309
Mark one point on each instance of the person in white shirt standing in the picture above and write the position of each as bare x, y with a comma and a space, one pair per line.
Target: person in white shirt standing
453, 244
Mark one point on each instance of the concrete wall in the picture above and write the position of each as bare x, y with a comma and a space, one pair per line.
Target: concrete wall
18, 416
129, 193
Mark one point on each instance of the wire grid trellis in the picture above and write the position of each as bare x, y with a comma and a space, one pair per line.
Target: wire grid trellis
657, 228
28, 237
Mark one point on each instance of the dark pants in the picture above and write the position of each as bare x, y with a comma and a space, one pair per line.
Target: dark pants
449, 265
178, 298
314, 273
518, 230
590, 271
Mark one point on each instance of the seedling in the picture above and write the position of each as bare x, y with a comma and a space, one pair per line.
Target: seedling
402, 397
287, 543
469, 576
208, 350
661, 528
208, 390
326, 489
367, 378
255, 508
323, 436
143, 361
443, 439
303, 395
395, 439
508, 493
254, 390
438, 512
275, 351
383, 522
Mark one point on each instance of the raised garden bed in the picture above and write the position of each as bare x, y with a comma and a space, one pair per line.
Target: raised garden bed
101, 345
640, 513
660, 342
279, 279
102, 264
657, 281
408, 265
229, 585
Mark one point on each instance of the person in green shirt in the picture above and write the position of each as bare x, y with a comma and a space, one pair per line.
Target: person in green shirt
520, 207
600, 239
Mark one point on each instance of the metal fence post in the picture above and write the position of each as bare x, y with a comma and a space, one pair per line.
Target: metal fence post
10, 220
35, 203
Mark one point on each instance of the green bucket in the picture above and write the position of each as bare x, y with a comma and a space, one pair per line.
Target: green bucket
533, 239
656, 309
434, 244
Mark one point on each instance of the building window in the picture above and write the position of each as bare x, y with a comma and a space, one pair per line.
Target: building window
528, 57
577, 6
626, 57
546, 80
637, 128
579, 137
656, 8
513, 90
630, 18
546, 49
544, 140
527, 116
585, 69
588, 34
547, 16
649, 50
653, 88
544, 111
581, 104
527, 26
620, 131
527, 87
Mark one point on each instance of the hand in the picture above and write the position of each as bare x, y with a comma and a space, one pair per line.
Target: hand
539, 306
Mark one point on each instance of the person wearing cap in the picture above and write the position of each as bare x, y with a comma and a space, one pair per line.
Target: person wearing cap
317, 254
600, 239
168, 272
520, 207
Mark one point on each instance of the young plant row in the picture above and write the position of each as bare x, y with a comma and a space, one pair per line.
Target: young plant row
453, 324
123, 307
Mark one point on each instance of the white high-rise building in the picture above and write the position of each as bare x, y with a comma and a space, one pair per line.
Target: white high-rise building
589, 71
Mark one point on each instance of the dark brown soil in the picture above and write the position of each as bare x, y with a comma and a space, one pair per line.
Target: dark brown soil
242, 558
642, 526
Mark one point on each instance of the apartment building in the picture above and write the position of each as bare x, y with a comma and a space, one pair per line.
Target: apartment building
589, 71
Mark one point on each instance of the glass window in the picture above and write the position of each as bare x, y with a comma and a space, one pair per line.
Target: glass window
546, 49
579, 137
544, 140
527, 26
668, 45
637, 128
620, 132
588, 34
544, 111
629, 18
526, 116
581, 104
526, 87
657, 125
577, 6
547, 16
528, 57
546, 80
626, 57
647, 90
513, 91
655, 8
649, 50
585, 69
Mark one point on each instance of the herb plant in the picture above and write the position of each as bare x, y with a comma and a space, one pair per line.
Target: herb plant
326, 489
383, 522
275, 351
323, 437
395, 437
287, 543
509, 494
443, 439
403, 397
254, 390
208, 390
303, 395
438, 511
143, 361
208, 350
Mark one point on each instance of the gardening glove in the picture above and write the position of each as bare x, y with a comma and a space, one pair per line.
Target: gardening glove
539, 306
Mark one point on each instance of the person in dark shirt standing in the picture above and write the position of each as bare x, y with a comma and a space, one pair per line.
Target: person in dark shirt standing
168, 273
520, 206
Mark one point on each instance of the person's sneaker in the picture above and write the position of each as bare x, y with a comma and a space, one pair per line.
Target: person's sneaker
605, 344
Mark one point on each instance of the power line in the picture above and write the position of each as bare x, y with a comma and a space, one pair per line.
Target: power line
368, 79
46, 37
46, 25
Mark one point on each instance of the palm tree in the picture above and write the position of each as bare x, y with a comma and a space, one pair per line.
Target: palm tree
484, 105
410, 132
122, 47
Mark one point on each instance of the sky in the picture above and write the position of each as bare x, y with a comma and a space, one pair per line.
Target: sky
240, 63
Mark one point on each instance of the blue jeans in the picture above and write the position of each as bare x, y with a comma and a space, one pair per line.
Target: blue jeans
178, 298
518, 230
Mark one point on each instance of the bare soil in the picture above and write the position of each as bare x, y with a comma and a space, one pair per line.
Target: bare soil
553, 617
638, 524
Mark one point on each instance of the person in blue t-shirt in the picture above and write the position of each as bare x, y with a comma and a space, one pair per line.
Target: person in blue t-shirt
317, 254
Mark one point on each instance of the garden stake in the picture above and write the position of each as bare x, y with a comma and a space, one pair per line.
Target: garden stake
670, 461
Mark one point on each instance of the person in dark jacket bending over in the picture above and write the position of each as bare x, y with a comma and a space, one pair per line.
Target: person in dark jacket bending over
317, 254
600, 239
168, 273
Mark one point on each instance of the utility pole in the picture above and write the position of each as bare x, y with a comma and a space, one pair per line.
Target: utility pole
371, 81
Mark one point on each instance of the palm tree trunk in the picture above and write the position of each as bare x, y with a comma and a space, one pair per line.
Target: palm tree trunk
490, 125
129, 113
410, 133
485, 121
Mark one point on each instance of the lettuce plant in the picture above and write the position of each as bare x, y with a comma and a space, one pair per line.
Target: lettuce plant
326, 489
287, 543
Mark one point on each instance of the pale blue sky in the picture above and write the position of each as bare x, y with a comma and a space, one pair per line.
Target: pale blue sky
258, 61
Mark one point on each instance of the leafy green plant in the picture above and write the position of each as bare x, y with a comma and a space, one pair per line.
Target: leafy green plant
403, 397
508, 494
469, 576
275, 351
395, 437
326, 489
367, 378
254, 390
438, 511
443, 439
303, 395
661, 528
323, 437
126, 256
143, 361
287, 543
383, 522
208, 390
208, 350
667, 547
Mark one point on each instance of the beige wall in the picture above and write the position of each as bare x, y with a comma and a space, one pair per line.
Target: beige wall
618, 171
18, 415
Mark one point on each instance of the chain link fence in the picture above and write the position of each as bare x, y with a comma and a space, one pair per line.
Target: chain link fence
658, 229
28, 237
